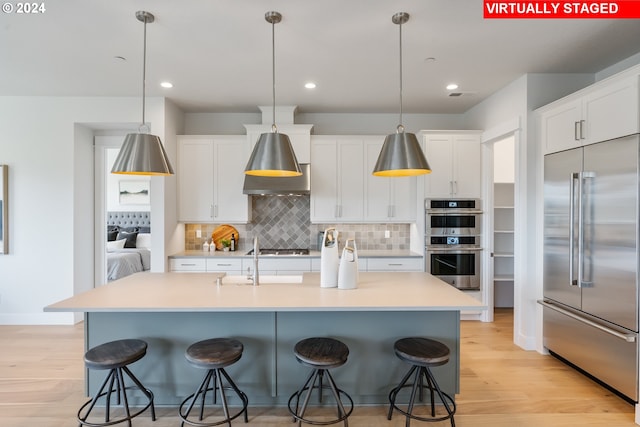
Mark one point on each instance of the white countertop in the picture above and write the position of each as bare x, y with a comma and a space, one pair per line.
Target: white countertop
312, 254
174, 292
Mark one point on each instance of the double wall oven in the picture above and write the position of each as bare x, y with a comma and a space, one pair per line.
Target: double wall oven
452, 241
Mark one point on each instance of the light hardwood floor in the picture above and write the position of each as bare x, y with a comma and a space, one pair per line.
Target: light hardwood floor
501, 385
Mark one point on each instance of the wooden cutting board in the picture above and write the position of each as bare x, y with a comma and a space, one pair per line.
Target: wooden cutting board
224, 231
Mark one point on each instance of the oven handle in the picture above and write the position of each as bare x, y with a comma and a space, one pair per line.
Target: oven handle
453, 211
459, 250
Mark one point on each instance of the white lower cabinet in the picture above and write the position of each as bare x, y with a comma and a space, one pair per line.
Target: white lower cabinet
194, 265
382, 264
395, 264
287, 266
229, 265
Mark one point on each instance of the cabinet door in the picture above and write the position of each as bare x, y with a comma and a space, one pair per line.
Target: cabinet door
195, 179
387, 199
611, 112
467, 166
324, 179
404, 198
350, 179
230, 158
561, 127
439, 152
377, 188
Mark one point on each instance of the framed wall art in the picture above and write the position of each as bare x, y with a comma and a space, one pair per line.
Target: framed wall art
134, 192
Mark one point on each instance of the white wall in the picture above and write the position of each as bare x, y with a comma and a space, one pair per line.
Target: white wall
514, 104
323, 123
47, 143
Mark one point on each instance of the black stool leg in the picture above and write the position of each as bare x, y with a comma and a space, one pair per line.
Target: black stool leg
143, 389
442, 397
394, 392
124, 395
223, 398
334, 389
242, 396
313, 378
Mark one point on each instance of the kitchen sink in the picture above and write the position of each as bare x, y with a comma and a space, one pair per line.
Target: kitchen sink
264, 279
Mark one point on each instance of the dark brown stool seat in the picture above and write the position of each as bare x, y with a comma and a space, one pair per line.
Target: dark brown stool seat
115, 356
214, 355
422, 354
320, 354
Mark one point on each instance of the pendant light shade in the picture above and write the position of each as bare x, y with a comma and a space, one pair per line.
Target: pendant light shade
273, 154
401, 154
142, 153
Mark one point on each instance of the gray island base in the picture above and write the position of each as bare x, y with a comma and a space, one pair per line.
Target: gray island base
168, 310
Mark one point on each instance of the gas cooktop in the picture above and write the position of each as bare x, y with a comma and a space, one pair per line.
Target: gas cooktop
281, 252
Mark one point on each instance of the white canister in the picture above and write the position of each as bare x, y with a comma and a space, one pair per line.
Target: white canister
329, 260
348, 273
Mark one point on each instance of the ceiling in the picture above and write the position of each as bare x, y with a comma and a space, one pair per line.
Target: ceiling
217, 53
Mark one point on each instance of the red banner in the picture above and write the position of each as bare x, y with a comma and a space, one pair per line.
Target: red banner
542, 9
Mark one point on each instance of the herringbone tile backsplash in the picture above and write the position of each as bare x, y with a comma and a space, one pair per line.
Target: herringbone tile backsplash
284, 222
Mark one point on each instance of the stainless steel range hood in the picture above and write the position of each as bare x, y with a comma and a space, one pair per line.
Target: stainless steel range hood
279, 186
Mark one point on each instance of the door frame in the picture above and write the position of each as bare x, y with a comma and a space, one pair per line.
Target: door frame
511, 128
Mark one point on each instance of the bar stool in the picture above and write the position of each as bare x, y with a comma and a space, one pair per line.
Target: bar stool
320, 354
214, 355
115, 356
422, 354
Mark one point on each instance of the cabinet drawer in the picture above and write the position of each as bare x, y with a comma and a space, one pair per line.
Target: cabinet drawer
282, 264
187, 264
394, 264
228, 264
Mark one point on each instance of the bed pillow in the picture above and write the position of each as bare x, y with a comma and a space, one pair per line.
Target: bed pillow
115, 244
129, 236
112, 232
143, 240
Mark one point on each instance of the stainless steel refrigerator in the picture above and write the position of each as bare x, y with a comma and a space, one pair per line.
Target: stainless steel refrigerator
591, 260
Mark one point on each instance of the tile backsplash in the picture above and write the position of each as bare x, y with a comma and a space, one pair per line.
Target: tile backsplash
284, 222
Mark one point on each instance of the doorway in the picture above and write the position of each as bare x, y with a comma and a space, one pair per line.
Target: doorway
503, 222
109, 198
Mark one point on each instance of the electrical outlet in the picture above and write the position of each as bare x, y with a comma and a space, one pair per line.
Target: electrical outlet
387, 234
199, 234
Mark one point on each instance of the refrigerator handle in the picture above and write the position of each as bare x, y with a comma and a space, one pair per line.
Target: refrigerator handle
572, 214
580, 229
622, 336
584, 281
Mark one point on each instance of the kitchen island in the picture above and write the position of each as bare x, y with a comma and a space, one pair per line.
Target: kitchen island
173, 310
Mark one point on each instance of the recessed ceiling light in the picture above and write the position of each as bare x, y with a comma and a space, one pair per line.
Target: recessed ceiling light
452, 86
120, 58
310, 85
166, 85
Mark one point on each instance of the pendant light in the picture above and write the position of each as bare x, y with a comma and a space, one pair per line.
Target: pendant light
401, 154
273, 154
142, 153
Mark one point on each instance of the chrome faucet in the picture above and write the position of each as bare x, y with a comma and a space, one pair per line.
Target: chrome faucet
255, 276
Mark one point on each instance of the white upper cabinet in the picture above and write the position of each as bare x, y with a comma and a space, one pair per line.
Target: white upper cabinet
387, 199
598, 113
337, 180
210, 179
456, 164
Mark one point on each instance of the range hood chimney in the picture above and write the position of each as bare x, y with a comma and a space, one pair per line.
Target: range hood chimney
279, 186
300, 135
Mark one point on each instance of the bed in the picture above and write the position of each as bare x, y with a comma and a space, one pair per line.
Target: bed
128, 243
